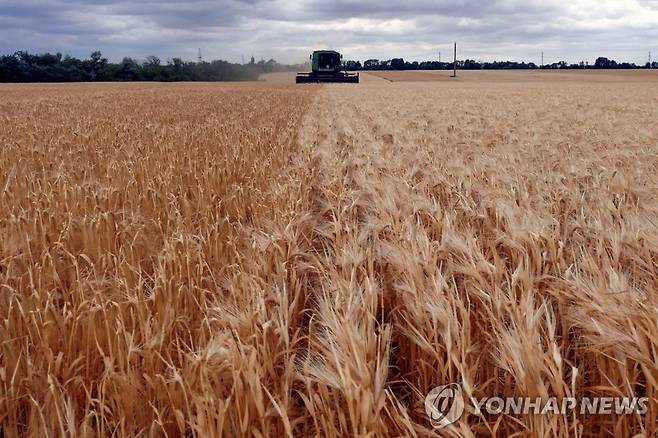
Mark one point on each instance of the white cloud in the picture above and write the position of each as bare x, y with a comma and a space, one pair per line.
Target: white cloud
415, 29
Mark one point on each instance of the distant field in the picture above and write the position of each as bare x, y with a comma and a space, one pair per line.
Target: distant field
521, 76
270, 259
499, 76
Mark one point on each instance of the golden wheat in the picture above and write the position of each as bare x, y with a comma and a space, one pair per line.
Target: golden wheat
269, 260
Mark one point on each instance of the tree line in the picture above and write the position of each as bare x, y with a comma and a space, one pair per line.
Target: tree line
469, 64
48, 67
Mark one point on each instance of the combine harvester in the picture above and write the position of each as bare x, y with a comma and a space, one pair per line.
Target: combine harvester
326, 66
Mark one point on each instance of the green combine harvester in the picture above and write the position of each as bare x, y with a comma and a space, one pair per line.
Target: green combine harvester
326, 66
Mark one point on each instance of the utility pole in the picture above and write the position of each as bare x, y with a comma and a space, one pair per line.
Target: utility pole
199, 58
454, 73
542, 60
439, 57
650, 65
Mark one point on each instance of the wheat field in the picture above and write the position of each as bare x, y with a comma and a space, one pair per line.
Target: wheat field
276, 260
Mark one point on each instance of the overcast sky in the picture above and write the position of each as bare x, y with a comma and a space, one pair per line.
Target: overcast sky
287, 30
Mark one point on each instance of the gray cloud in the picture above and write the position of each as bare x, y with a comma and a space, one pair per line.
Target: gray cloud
415, 29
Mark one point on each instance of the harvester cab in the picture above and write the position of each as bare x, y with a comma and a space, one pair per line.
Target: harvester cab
327, 66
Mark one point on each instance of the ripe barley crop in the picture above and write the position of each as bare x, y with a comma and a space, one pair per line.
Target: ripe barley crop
268, 260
